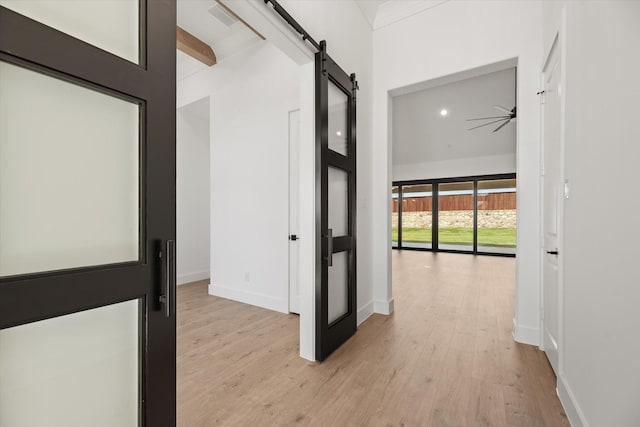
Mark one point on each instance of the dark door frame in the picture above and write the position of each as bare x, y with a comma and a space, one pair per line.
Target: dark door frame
435, 209
330, 336
151, 84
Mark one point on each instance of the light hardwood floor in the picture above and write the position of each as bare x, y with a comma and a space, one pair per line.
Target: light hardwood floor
446, 357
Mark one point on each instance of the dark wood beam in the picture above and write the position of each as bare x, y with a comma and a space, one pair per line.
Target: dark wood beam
194, 47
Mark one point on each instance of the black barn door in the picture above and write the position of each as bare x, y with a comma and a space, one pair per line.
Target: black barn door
336, 198
87, 213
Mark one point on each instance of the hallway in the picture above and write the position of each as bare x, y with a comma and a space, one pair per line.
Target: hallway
446, 357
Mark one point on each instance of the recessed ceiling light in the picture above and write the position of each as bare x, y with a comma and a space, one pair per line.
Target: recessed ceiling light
339, 133
443, 112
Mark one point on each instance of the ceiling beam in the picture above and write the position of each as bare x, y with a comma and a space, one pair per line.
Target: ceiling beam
194, 47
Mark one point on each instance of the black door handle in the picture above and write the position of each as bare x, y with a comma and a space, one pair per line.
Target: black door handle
293, 237
552, 252
168, 297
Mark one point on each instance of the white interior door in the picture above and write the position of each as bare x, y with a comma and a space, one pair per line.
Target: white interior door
552, 198
294, 211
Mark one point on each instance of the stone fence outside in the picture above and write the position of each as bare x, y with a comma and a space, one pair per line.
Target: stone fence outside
505, 218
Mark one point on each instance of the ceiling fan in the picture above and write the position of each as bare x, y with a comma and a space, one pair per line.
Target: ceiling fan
505, 118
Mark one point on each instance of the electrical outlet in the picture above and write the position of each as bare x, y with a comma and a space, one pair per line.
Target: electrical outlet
246, 276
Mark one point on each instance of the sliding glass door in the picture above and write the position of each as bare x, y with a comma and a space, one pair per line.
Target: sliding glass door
474, 215
497, 216
395, 214
417, 216
455, 216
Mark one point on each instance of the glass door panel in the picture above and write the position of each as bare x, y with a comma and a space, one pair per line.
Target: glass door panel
338, 286
337, 126
338, 202
78, 370
395, 215
455, 216
417, 216
111, 25
69, 186
497, 216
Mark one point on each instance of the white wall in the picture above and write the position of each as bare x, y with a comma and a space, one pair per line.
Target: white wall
450, 38
192, 192
599, 382
251, 96
485, 165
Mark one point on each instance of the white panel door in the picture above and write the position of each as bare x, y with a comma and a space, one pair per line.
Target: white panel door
552, 198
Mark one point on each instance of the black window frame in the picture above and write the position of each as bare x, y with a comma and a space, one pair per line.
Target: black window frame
434, 182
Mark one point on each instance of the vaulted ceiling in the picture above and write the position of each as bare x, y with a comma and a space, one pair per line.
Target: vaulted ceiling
422, 134
206, 20
380, 13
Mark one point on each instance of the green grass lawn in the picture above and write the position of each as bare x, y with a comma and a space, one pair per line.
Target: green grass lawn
505, 237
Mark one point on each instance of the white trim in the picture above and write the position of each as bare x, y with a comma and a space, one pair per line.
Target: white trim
383, 307
193, 277
567, 399
364, 312
526, 334
259, 300
307, 224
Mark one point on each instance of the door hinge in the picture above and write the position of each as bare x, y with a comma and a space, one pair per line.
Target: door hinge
294, 237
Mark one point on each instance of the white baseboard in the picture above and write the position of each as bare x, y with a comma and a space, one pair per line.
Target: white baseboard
571, 408
383, 307
364, 312
192, 277
260, 300
525, 334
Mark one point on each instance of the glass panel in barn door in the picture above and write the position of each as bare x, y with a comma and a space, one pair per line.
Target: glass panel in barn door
338, 183
87, 213
417, 216
338, 286
455, 216
49, 369
68, 175
111, 25
497, 216
338, 132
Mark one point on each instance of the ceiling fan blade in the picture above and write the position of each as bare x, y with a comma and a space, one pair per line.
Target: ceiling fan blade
501, 108
487, 118
487, 124
502, 125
